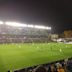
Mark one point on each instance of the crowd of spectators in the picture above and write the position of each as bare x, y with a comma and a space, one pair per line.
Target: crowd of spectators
22, 38
58, 66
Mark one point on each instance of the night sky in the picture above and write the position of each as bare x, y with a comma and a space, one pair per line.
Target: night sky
54, 13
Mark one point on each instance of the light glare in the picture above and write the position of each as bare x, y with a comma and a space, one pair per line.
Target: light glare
1, 22
31, 26
49, 28
40, 27
16, 24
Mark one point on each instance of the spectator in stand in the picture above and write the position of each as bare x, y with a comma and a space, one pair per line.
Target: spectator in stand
60, 69
40, 69
49, 69
69, 66
53, 68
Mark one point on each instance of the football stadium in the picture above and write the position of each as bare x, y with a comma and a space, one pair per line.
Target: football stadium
27, 45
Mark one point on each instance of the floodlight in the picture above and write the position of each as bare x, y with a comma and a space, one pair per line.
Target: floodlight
49, 28
39, 27
15, 24
1, 22
12, 24
24, 25
31, 26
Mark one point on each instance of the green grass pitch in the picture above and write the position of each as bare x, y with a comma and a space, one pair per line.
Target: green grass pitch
18, 56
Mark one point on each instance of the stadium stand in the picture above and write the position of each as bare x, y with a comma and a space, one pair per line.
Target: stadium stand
10, 34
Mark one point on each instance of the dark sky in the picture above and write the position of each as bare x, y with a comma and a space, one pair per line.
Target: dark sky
54, 13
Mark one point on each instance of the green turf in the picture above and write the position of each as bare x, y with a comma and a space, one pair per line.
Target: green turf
18, 56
